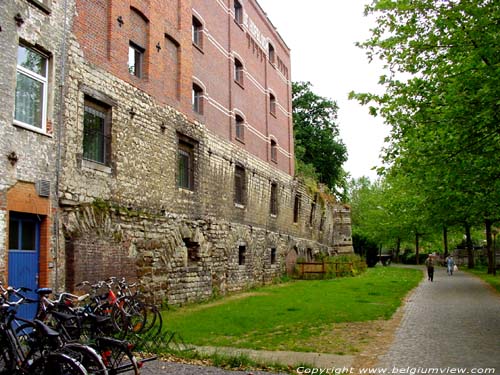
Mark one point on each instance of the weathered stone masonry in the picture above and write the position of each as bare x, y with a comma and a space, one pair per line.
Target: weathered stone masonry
146, 220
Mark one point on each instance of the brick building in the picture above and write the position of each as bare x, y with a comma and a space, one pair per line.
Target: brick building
176, 162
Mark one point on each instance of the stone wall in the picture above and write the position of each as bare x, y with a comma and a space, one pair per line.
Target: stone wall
28, 155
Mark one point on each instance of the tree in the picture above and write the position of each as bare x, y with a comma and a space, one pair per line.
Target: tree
441, 99
317, 143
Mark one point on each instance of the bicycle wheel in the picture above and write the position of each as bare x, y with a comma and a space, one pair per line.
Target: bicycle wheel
7, 360
117, 356
136, 313
56, 364
87, 356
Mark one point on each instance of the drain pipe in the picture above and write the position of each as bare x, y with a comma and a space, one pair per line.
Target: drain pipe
60, 120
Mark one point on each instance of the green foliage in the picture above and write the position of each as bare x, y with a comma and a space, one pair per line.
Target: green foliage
319, 151
290, 316
441, 101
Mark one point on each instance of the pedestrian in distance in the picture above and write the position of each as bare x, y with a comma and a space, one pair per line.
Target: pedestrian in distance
429, 262
450, 265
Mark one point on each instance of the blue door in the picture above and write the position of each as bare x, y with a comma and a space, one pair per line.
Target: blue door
24, 249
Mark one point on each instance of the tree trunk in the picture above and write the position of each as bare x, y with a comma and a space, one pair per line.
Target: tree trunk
417, 250
398, 249
445, 241
470, 250
489, 241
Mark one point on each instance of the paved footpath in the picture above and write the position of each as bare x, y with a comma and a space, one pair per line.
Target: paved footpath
453, 322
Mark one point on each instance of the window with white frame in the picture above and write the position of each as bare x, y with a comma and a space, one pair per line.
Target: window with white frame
135, 60
30, 108
96, 131
197, 33
238, 12
238, 72
197, 99
239, 127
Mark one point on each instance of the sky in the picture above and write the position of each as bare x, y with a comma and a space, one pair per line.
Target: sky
321, 35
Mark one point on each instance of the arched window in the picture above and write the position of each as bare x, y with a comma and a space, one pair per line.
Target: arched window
274, 151
138, 43
197, 99
272, 104
238, 71
239, 128
197, 33
271, 53
238, 12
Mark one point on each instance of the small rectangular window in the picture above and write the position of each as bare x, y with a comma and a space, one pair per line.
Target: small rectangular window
239, 185
197, 99
31, 89
135, 60
273, 256
274, 199
242, 255
296, 208
185, 179
96, 132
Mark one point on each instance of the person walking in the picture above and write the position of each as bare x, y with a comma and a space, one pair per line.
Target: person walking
450, 265
429, 262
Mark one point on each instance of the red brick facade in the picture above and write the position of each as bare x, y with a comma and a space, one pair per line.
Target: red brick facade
172, 63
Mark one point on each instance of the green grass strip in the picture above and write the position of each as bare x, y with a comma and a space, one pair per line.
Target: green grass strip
275, 317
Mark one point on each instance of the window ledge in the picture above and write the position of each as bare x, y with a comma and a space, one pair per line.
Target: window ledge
240, 140
40, 5
239, 205
273, 114
274, 216
198, 47
32, 128
91, 165
239, 84
185, 190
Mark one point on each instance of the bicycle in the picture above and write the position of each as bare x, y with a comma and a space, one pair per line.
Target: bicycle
15, 358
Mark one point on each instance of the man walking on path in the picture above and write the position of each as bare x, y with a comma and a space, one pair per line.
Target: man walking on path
450, 263
429, 262
449, 325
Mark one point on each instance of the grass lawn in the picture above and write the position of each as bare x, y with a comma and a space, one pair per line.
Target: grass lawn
482, 272
294, 316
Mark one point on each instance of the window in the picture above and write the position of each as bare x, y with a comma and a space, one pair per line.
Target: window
240, 128
272, 104
273, 206
313, 212
273, 255
242, 249
238, 12
274, 151
197, 99
135, 60
31, 89
96, 131
296, 208
239, 185
238, 71
193, 251
185, 173
197, 33
271, 53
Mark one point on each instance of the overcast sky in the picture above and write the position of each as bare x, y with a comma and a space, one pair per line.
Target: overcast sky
321, 35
